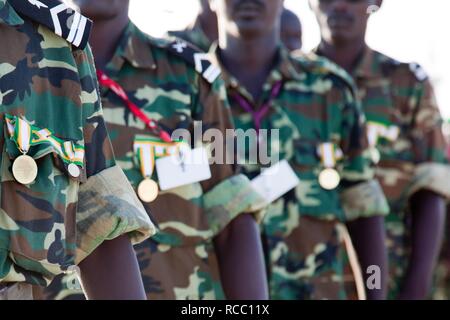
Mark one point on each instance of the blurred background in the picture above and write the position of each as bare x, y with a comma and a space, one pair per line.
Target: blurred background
407, 30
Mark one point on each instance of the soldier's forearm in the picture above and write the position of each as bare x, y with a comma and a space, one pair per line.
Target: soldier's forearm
111, 272
428, 215
369, 236
241, 260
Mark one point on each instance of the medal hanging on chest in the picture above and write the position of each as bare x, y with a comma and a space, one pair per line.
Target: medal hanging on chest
25, 135
24, 168
148, 189
329, 177
147, 150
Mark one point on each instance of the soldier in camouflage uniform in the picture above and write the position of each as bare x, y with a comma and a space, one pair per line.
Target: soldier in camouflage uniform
404, 131
311, 102
203, 226
62, 194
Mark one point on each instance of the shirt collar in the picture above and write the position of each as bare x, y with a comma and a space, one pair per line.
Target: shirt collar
8, 15
284, 70
134, 47
367, 66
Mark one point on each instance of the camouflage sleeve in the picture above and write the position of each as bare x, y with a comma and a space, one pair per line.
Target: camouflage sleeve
432, 171
228, 193
108, 206
361, 195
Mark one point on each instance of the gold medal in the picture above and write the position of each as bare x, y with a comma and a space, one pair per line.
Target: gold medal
329, 179
25, 169
148, 190
375, 155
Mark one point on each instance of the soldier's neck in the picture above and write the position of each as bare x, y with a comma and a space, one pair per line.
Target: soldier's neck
208, 23
345, 54
105, 38
250, 60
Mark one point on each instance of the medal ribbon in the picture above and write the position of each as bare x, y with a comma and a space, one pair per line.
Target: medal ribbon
258, 115
327, 152
151, 124
26, 135
22, 133
148, 149
376, 130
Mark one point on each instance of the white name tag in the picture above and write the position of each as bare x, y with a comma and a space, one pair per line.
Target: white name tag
175, 172
275, 181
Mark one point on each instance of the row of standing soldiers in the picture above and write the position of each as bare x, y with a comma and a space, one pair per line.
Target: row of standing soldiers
355, 208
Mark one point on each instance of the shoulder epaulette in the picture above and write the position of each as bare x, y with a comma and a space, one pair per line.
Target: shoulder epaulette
58, 17
195, 57
418, 71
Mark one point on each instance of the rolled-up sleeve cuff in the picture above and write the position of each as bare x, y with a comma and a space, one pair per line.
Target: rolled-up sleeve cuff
433, 177
231, 198
364, 200
108, 208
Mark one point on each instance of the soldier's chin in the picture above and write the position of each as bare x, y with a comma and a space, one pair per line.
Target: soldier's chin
250, 28
340, 35
98, 9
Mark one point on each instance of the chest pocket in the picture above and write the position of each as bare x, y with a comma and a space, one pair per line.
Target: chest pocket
43, 213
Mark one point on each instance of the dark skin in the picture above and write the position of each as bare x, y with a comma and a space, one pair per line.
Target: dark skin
291, 30
208, 21
240, 255
239, 243
343, 28
428, 221
291, 27
112, 272
249, 38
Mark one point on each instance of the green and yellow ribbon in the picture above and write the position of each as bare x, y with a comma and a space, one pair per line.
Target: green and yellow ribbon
147, 149
26, 135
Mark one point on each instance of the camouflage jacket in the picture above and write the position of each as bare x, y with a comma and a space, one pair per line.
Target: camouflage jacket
179, 262
193, 34
316, 105
399, 97
58, 220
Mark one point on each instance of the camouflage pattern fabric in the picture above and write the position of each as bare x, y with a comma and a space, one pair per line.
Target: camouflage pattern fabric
57, 221
193, 34
316, 105
180, 261
400, 95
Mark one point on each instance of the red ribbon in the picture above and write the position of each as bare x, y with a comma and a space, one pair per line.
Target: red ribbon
151, 124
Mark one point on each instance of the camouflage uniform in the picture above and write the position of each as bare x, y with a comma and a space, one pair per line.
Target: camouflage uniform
58, 220
303, 231
179, 262
399, 95
194, 34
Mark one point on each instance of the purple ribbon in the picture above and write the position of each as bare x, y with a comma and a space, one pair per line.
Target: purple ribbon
258, 115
